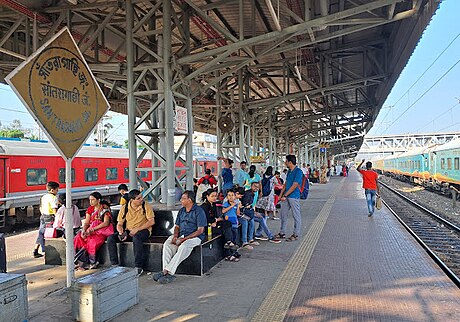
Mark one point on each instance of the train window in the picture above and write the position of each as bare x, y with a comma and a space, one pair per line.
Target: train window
36, 177
62, 175
90, 174
443, 163
426, 162
143, 174
449, 163
126, 173
457, 164
111, 173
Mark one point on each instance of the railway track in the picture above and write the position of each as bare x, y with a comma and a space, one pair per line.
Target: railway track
439, 237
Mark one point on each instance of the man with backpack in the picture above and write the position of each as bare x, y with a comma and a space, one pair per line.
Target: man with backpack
139, 219
290, 198
205, 183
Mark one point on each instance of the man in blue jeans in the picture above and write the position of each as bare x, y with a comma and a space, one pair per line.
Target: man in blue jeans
259, 217
246, 219
290, 198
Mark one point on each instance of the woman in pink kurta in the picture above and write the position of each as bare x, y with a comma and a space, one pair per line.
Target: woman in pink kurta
96, 228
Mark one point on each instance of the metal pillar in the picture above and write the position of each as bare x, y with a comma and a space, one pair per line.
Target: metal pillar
240, 115
168, 104
130, 95
219, 135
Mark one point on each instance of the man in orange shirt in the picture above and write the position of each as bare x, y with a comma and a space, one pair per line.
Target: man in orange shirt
370, 185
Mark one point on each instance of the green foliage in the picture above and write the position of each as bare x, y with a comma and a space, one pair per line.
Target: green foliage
12, 133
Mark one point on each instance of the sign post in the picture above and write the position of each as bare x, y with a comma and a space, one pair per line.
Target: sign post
57, 87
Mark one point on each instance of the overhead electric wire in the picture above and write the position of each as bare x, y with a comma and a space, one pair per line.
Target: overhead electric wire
418, 79
421, 96
439, 116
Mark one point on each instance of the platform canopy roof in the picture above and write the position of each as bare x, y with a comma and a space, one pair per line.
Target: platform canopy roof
304, 71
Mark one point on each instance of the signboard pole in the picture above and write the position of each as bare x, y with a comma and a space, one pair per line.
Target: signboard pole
69, 251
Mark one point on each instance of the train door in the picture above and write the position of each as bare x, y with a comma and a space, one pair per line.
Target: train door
2, 179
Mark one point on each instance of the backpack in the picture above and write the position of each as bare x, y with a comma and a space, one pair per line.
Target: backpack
305, 187
266, 186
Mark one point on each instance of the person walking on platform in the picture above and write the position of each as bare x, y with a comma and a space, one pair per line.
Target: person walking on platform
370, 185
227, 174
290, 198
139, 219
188, 233
241, 175
48, 208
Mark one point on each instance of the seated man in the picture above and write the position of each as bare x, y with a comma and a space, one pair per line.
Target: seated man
188, 233
139, 219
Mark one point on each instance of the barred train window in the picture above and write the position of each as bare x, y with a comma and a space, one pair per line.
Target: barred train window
126, 173
457, 164
90, 174
143, 174
36, 177
111, 173
443, 163
449, 164
62, 175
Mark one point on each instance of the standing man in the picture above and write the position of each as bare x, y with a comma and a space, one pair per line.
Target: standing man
370, 185
188, 233
48, 208
139, 219
290, 198
241, 175
227, 174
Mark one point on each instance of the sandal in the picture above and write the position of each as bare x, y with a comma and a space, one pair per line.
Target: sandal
233, 259
292, 238
280, 236
229, 244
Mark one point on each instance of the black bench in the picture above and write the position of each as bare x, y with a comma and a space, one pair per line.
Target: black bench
201, 260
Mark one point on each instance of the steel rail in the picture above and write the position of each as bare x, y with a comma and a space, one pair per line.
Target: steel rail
455, 279
444, 221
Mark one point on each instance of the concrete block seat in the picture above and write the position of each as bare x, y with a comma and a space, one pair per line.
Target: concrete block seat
200, 261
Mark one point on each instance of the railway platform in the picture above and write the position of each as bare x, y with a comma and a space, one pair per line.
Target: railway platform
344, 267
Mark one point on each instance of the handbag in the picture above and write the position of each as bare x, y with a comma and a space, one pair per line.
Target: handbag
50, 232
378, 203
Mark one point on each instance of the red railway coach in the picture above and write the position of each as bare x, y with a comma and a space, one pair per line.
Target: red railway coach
27, 165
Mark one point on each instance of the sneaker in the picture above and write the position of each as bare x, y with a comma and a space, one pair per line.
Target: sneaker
156, 276
275, 218
254, 243
36, 254
261, 238
140, 271
165, 279
370, 215
248, 247
275, 240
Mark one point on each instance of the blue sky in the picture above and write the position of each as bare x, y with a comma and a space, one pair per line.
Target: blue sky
437, 111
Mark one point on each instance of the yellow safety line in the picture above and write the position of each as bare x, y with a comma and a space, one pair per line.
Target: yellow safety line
276, 304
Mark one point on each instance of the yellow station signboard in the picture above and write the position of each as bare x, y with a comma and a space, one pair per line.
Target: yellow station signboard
59, 90
257, 159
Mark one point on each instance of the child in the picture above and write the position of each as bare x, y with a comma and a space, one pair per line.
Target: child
48, 207
231, 210
59, 220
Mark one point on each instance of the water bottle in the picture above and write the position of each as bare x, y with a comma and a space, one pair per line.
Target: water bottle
209, 232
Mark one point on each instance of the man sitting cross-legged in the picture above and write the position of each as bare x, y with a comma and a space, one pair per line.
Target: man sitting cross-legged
188, 233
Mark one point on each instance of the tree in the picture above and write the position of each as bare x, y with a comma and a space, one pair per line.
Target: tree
7, 133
